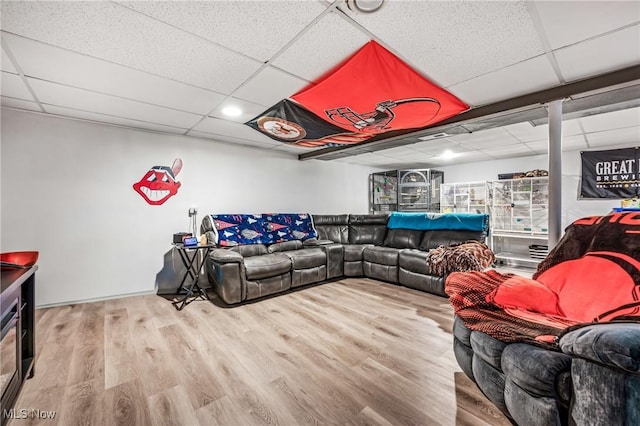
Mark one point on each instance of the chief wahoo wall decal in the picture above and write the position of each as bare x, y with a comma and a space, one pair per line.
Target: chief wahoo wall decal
159, 183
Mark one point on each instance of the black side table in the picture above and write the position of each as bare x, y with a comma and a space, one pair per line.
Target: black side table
191, 261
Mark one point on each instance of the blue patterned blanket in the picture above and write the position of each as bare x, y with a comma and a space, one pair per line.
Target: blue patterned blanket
265, 228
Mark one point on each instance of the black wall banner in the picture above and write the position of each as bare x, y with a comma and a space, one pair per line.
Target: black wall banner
611, 174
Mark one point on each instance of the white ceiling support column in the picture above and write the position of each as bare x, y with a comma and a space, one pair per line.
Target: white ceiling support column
555, 172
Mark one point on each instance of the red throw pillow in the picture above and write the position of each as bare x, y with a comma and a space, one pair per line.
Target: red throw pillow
527, 294
592, 285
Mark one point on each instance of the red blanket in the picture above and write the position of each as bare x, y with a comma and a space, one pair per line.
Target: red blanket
592, 275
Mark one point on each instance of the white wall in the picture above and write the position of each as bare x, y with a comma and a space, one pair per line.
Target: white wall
67, 192
572, 206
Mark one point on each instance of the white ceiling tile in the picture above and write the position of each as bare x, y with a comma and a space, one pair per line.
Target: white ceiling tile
629, 135
526, 132
13, 86
398, 151
572, 143
569, 143
249, 110
115, 33
231, 140
109, 119
469, 156
70, 97
515, 80
478, 137
437, 146
203, 135
568, 22
19, 103
442, 38
596, 56
244, 26
506, 150
291, 149
539, 147
446, 142
58, 65
376, 160
229, 128
270, 86
412, 156
502, 142
5, 62
326, 44
363, 158
486, 138
569, 128
612, 120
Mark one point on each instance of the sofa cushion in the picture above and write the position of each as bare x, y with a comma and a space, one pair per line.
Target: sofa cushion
307, 258
223, 255
487, 348
434, 239
461, 332
250, 250
381, 255
427, 283
353, 252
414, 260
490, 380
615, 344
332, 227
526, 409
314, 242
403, 238
388, 273
285, 246
367, 228
534, 369
267, 265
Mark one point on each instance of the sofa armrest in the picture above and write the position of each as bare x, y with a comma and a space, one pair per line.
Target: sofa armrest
314, 242
614, 345
221, 255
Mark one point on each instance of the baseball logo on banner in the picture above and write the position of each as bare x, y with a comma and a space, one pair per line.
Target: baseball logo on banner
611, 174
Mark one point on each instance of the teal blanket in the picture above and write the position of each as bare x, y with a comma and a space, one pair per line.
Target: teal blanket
438, 221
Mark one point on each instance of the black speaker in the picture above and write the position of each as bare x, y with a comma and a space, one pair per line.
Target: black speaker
179, 236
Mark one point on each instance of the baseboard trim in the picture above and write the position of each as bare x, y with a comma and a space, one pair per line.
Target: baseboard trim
97, 299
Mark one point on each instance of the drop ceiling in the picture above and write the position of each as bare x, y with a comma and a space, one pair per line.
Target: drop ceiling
172, 67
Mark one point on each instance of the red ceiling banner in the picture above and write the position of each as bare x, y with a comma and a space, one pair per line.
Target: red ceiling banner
376, 92
371, 93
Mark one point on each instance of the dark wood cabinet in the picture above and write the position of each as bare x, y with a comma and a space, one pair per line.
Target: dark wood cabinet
17, 342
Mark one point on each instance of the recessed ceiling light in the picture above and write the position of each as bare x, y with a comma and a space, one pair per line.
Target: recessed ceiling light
447, 155
231, 111
364, 6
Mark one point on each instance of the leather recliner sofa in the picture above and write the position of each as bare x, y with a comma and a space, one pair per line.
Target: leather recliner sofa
347, 245
561, 348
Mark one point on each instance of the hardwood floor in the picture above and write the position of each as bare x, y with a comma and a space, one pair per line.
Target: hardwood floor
350, 352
